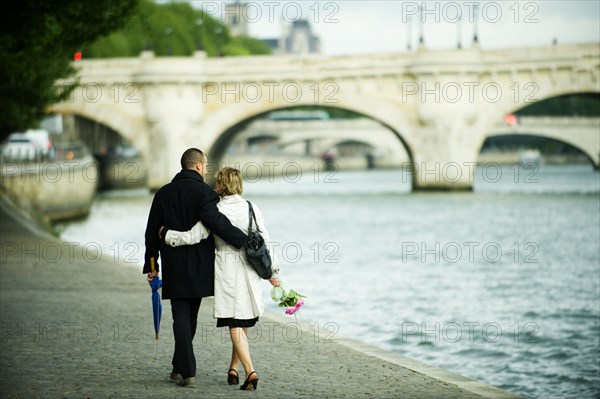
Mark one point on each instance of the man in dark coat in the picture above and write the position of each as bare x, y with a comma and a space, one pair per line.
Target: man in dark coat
188, 271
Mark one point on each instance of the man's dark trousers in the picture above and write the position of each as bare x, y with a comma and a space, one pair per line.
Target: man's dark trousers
185, 319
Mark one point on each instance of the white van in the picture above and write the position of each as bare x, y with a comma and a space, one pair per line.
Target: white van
41, 138
19, 147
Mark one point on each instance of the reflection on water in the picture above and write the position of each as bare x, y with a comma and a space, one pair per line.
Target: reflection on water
501, 285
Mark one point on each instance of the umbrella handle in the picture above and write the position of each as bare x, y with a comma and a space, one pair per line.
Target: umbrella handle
152, 266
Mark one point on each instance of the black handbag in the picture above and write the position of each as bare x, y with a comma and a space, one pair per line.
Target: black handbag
257, 252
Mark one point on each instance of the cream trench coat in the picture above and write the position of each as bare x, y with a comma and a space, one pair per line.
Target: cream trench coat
238, 288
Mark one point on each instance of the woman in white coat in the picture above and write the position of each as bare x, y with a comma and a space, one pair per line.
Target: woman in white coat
238, 288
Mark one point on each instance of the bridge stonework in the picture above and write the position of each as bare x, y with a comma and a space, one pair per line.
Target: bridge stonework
441, 104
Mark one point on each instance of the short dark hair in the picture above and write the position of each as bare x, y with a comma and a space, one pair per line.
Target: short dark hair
191, 157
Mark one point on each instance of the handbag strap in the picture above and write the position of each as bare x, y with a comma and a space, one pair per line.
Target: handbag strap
251, 216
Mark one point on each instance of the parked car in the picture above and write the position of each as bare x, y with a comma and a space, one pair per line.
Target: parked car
20, 147
28, 146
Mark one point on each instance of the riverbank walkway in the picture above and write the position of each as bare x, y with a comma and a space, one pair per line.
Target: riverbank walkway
74, 324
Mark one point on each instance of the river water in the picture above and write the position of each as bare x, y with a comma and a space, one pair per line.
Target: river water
501, 284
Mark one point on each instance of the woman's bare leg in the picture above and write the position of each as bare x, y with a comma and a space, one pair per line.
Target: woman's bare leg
239, 339
235, 359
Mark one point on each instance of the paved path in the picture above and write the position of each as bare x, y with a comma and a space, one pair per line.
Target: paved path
76, 326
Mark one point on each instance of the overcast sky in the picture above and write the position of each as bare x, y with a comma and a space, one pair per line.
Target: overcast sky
361, 27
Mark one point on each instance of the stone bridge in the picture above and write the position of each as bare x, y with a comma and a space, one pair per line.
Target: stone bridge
440, 104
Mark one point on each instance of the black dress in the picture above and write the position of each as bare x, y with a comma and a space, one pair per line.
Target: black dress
231, 322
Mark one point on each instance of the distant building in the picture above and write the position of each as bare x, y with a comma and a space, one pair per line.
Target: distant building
297, 37
235, 18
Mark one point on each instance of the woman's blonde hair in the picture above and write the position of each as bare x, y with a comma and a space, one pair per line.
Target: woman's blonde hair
230, 180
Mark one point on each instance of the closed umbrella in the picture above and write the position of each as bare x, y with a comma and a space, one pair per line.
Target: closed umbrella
155, 284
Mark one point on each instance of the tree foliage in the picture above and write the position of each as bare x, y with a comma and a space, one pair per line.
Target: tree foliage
37, 41
582, 104
175, 29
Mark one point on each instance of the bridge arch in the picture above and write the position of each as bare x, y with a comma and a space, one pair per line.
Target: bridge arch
223, 125
590, 153
131, 128
587, 142
558, 94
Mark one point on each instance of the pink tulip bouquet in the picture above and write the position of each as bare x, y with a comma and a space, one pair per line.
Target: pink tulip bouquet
287, 298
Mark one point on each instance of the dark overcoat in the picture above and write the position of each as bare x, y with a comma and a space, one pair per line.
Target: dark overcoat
187, 271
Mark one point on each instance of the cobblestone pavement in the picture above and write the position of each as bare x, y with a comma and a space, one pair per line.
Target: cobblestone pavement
76, 326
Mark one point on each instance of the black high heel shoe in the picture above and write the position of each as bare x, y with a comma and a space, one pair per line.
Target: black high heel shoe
250, 385
233, 379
